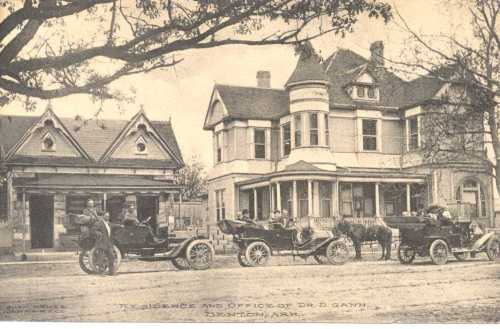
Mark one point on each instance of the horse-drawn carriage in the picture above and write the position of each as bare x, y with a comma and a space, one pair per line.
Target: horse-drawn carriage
256, 244
136, 241
428, 235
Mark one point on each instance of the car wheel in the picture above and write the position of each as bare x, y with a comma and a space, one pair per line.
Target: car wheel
257, 253
406, 254
461, 256
242, 259
337, 252
84, 261
200, 255
99, 263
181, 263
493, 248
439, 252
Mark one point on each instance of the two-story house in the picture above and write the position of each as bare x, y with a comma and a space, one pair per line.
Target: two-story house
52, 165
342, 137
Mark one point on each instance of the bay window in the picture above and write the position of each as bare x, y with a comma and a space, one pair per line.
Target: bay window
285, 137
260, 143
369, 131
313, 129
298, 130
218, 146
413, 133
327, 131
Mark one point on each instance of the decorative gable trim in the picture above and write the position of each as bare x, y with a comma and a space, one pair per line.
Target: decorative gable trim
138, 121
215, 97
48, 115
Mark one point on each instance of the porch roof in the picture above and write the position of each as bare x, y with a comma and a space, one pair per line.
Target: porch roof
343, 174
85, 181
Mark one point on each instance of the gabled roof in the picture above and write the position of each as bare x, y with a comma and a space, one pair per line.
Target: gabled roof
302, 166
94, 136
308, 68
247, 103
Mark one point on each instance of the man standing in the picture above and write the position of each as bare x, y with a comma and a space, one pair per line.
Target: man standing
101, 231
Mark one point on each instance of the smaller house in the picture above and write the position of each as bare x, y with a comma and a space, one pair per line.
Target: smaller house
52, 165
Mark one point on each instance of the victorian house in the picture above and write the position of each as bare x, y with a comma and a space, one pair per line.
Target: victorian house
53, 165
343, 137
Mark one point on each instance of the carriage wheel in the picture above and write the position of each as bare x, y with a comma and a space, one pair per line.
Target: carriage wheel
406, 254
337, 252
242, 259
98, 260
321, 259
461, 256
200, 255
493, 248
439, 252
84, 261
257, 253
180, 263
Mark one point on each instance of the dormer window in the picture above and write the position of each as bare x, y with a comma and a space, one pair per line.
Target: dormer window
370, 91
48, 123
48, 143
366, 92
141, 146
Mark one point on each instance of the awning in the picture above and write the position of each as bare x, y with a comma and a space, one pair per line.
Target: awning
94, 182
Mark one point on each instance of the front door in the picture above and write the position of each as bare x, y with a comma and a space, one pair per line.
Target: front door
42, 221
147, 206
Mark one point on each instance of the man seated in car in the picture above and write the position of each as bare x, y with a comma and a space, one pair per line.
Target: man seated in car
128, 216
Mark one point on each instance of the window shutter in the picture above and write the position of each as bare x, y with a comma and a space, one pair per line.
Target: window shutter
379, 135
250, 143
268, 144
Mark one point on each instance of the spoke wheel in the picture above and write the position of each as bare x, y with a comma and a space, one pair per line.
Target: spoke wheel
84, 261
99, 262
242, 260
181, 263
439, 252
461, 256
337, 252
257, 254
406, 254
200, 255
320, 259
493, 248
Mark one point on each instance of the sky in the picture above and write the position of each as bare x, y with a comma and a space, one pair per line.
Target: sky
182, 94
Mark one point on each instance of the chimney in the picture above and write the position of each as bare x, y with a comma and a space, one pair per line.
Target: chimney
263, 79
377, 49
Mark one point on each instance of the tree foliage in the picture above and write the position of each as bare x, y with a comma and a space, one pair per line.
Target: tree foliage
55, 48
193, 178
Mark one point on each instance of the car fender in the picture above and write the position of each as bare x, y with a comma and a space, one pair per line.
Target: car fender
248, 241
184, 244
482, 241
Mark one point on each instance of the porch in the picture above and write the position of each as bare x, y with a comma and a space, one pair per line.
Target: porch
326, 198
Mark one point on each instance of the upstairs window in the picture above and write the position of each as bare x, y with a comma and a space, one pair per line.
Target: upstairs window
313, 129
140, 146
286, 138
218, 146
370, 92
366, 92
327, 131
298, 130
260, 143
48, 143
360, 90
369, 135
413, 133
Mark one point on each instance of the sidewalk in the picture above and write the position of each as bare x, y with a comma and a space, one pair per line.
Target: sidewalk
39, 257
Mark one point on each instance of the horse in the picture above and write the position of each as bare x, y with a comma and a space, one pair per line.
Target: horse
358, 233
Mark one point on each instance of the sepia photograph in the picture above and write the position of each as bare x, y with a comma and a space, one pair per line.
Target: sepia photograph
249, 161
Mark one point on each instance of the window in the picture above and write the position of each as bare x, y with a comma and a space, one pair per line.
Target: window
357, 199
327, 130
360, 90
369, 135
413, 132
371, 92
313, 129
346, 199
140, 146
298, 130
302, 195
48, 143
218, 146
325, 195
259, 138
471, 193
220, 205
286, 138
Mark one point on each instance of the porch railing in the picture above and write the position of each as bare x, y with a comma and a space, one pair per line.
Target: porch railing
329, 222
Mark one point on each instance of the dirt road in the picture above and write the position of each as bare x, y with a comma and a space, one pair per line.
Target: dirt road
365, 291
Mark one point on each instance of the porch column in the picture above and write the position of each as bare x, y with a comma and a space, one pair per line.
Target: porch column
309, 198
271, 200
335, 198
408, 200
316, 199
294, 199
104, 202
254, 203
25, 226
278, 196
377, 200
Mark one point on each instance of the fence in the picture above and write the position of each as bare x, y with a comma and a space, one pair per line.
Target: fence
191, 214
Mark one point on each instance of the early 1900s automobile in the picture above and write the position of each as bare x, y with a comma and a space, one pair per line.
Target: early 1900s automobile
256, 244
136, 241
435, 234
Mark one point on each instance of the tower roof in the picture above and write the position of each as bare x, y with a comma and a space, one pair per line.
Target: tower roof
309, 67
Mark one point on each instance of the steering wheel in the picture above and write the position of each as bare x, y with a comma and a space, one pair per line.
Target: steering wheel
146, 220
